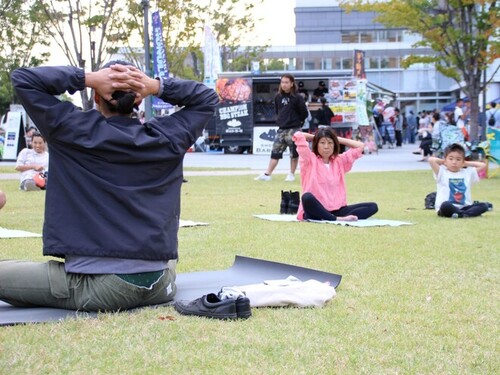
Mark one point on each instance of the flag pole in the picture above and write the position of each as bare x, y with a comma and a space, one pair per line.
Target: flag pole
147, 61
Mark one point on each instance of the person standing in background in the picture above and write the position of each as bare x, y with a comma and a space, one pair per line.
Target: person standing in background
412, 128
398, 127
291, 111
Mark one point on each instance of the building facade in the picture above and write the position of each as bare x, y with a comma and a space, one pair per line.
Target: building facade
326, 37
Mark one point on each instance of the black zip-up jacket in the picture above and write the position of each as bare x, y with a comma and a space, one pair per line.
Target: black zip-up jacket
291, 110
114, 184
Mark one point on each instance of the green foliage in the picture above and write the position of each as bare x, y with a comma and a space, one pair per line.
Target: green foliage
419, 299
84, 31
275, 64
183, 24
226, 17
20, 31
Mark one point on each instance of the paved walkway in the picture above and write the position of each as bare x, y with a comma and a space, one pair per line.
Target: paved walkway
397, 159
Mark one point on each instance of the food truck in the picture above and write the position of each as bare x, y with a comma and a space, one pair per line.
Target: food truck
245, 118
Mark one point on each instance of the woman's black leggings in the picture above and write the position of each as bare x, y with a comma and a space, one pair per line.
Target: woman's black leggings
314, 210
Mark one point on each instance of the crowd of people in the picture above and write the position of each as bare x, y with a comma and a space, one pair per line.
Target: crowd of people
431, 130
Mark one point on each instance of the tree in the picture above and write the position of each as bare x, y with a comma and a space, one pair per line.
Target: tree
180, 22
230, 20
20, 32
463, 33
85, 31
183, 25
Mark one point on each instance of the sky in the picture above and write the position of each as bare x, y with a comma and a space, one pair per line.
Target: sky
277, 25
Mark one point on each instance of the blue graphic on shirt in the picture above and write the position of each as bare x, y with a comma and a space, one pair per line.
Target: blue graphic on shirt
457, 191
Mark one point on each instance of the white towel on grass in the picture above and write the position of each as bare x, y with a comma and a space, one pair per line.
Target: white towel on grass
288, 292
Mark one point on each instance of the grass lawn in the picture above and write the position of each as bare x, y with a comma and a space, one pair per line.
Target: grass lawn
420, 299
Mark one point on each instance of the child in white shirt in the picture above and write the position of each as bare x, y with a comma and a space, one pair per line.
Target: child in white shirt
455, 176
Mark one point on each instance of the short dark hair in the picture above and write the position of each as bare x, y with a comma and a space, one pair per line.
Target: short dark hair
454, 147
37, 134
325, 132
493, 104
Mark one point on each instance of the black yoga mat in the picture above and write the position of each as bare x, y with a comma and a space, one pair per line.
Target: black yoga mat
190, 285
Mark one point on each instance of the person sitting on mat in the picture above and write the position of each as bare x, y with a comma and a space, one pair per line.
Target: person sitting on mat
113, 203
454, 176
322, 172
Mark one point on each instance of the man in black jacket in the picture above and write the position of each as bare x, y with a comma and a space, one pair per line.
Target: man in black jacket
113, 204
291, 111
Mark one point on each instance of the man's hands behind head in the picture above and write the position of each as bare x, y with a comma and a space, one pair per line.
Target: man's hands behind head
122, 78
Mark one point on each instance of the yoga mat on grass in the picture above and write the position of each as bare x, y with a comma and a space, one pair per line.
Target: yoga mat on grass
190, 285
359, 223
14, 233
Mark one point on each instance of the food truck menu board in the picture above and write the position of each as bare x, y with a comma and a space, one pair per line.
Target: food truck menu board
347, 100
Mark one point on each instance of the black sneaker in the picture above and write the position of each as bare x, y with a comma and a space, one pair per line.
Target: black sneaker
209, 306
243, 309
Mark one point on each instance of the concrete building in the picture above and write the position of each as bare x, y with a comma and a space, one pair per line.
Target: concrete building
326, 37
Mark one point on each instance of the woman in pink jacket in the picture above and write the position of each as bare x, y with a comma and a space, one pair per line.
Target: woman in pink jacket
322, 172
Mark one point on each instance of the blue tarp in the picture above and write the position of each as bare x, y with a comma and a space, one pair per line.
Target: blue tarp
450, 107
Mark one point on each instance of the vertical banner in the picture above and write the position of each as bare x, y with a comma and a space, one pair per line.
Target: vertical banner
160, 64
359, 64
235, 111
212, 58
14, 136
361, 98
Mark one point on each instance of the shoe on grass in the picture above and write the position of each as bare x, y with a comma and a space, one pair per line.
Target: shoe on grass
243, 309
290, 177
209, 306
263, 177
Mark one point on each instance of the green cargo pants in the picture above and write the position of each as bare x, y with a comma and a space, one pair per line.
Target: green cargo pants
29, 284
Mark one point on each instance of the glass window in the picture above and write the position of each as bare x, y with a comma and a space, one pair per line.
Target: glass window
350, 37
389, 35
389, 62
312, 64
347, 63
327, 63
299, 63
367, 36
372, 63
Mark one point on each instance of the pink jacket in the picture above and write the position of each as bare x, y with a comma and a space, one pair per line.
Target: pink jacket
326, 184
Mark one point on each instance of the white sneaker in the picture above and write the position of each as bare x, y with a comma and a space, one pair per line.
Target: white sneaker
290, 177
263, 177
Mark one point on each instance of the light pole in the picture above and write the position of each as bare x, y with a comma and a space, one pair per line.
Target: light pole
147, 63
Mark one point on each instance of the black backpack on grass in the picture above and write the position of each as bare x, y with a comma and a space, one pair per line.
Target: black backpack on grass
430, 201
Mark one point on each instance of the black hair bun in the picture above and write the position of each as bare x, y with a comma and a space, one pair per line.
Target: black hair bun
124, 102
